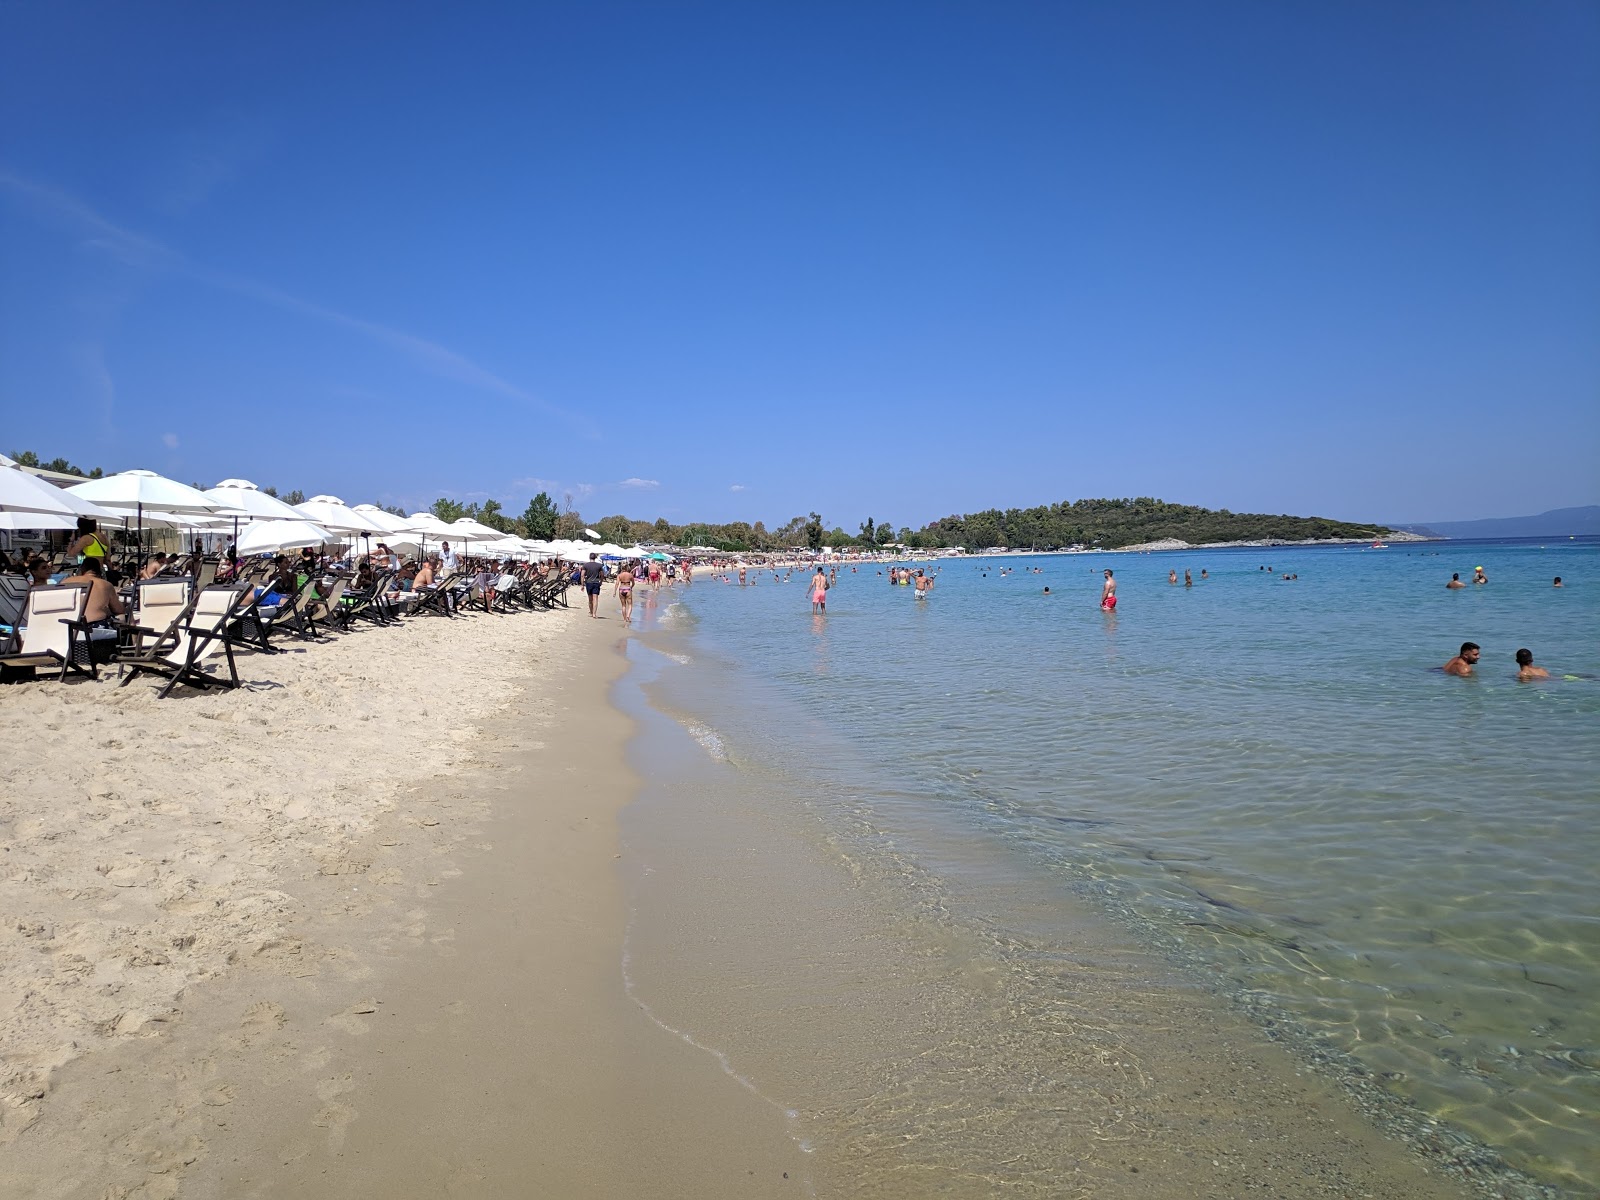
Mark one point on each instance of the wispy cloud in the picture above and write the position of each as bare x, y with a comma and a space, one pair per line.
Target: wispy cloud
169, 440
205, 158
63, 210
556, 488
637, 483
738, 487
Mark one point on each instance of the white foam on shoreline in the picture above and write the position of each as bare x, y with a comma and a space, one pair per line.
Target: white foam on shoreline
709, 739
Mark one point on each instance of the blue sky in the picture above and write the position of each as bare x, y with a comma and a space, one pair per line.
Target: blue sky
739, 261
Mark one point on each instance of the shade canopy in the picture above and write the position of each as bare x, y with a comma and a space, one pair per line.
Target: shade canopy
205, 522
426, 522
145, 489
248, 500
13, 521
469, 530
24, 493
333, 513
266, 537
386, 521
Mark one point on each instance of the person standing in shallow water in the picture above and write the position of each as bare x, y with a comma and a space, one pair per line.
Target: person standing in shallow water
1455, 581
819, 592
1108, 593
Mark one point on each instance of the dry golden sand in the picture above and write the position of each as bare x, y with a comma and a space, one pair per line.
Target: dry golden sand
147, 846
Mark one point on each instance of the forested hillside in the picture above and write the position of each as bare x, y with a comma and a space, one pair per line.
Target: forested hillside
1113, 523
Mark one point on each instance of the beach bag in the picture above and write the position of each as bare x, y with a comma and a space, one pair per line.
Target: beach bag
100, 647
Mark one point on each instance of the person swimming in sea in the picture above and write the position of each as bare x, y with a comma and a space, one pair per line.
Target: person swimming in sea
1525, 668
1455, 581
1172, 577
1557, 582
1463, 662
1478, 576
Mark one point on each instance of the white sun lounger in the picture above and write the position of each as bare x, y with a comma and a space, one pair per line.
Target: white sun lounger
51, 623
181, 653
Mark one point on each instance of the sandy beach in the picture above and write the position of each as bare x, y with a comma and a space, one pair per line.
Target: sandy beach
354, 931
363, 931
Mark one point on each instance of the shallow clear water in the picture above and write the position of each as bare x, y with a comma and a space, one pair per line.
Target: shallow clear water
1269, 777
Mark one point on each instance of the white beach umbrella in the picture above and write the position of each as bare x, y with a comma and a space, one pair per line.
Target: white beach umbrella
333, 513
426, 522
12, 521
139, 490
387, 521
21, 492
429, 526
267, 537
507, 545
469, 530
250, 501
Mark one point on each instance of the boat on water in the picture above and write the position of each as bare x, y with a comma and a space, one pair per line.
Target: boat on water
1380, 545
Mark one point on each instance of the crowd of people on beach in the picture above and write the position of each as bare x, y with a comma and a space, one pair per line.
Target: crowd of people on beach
269, 596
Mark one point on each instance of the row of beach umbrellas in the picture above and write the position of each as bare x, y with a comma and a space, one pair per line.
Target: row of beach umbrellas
269, 524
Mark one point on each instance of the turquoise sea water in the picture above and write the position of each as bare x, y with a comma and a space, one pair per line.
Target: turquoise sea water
1268, 778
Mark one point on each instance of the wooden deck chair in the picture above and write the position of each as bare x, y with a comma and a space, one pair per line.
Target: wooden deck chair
181, 655
52, 624
435, 598
289, 614
13, 603
326, 607
159, 605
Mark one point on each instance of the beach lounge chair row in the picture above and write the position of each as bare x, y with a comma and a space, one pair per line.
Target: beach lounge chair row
179, 627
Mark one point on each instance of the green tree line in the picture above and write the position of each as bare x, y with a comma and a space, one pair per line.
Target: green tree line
1105, 523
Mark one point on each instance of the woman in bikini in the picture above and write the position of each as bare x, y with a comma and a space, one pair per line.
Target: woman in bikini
624, 592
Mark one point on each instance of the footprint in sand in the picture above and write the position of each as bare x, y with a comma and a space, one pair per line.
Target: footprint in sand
261, 1019
334, 1115
350, 1020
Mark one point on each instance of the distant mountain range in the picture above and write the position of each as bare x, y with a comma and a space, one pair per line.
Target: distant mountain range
1558, 522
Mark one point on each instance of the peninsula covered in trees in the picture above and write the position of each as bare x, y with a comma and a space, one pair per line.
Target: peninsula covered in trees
1102, 524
